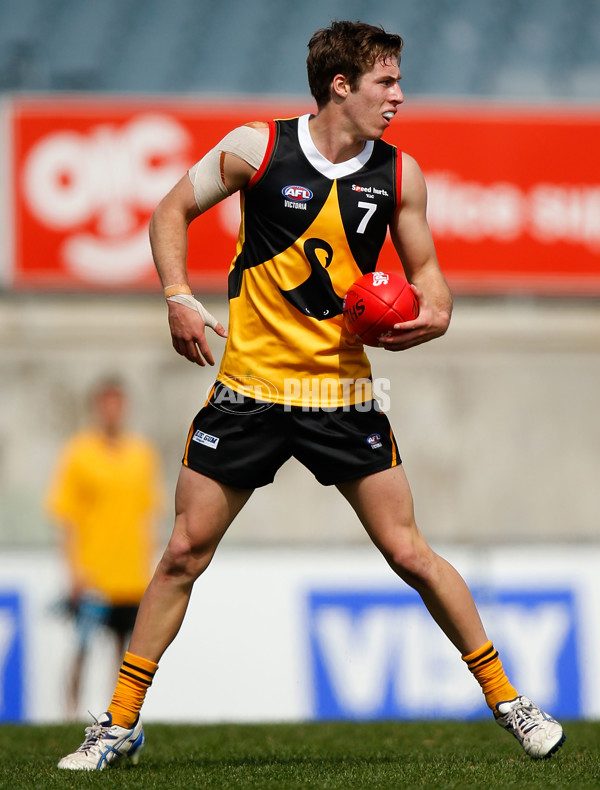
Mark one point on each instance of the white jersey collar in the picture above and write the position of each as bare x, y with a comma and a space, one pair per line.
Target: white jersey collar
324, 166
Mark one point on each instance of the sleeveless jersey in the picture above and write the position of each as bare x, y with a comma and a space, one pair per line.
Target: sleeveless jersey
309, 229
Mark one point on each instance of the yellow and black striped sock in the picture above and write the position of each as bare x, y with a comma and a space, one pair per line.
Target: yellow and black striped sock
135, 678
487, 668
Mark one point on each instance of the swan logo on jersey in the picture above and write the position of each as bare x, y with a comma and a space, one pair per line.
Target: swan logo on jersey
297, 193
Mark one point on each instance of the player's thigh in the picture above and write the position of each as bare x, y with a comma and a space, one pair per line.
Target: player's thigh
384, 504
204, 508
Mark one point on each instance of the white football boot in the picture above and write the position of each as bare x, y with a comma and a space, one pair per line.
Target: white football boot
537, 732
104, 743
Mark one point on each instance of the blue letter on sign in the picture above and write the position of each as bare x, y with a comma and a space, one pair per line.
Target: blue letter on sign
11, 657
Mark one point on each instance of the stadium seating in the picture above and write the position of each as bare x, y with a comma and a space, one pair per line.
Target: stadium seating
529, 49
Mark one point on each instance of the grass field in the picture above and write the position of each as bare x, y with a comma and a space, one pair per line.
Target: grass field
317, 755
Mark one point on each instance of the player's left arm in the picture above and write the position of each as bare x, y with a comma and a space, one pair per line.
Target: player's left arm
414, 244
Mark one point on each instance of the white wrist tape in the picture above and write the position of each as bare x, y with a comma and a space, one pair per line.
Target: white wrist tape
189, 301
245, 142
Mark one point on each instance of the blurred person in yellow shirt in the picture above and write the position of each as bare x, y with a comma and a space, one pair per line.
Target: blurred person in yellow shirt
105, 497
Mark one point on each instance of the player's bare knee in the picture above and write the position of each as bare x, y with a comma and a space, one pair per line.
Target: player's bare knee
413, 562
184, 559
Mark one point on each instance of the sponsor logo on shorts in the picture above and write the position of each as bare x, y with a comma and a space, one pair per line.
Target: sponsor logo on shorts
206, 439
374, 440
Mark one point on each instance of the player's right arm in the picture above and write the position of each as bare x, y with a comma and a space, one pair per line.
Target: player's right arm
217, 175
168, 239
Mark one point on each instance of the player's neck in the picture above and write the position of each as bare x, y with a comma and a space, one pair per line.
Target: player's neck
331, 139
111, 434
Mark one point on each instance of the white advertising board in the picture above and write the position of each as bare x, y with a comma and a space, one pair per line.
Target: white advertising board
287, 635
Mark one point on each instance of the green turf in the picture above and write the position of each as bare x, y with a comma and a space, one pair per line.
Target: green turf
317, 755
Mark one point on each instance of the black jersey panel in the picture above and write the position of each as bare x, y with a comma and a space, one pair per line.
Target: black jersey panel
367, 202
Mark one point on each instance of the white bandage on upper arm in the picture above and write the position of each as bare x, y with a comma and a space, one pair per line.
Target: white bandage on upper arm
246, 142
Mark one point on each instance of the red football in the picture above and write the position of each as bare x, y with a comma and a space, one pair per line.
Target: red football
375, 303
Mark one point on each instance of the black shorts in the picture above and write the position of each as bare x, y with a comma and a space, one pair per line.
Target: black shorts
121, 619
92, 614
243, 442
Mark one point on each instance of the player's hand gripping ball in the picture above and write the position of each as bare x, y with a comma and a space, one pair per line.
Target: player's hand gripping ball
375, 303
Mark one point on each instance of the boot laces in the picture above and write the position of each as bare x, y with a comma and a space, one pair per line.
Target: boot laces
522, 717
93, 733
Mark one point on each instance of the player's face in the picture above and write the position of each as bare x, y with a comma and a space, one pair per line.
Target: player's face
374, 102
110, 409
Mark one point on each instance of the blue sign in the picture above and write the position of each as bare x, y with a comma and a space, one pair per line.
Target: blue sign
11, 657
377, 654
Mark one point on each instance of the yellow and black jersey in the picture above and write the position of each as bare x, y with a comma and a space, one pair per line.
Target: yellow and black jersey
309, 229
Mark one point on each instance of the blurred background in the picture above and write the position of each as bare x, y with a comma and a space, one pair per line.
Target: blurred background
103, 106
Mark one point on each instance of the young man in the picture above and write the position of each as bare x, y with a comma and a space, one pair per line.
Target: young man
105, 497
304, 239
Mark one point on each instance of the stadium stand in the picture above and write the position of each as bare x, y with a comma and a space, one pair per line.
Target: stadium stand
528, 49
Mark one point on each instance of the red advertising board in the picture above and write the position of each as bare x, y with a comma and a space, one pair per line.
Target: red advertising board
514, 194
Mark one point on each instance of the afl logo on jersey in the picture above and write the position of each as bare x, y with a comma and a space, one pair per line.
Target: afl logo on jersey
297, 193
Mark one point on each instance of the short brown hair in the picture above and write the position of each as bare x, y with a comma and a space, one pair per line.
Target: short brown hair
348, 48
